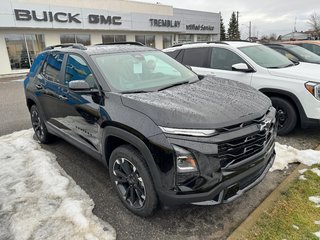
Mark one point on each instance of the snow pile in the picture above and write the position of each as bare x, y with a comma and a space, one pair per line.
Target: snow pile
286, 155
38, 200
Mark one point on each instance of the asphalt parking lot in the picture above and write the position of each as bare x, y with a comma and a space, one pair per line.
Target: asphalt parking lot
186, 222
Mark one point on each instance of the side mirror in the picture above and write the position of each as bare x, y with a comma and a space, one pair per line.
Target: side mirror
241, 67
79, 85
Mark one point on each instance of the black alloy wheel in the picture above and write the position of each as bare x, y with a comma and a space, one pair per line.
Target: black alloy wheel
38, 125
131, 179
286, 114
129, 183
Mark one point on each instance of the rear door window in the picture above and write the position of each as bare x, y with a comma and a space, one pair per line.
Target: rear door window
52, 67
196, 57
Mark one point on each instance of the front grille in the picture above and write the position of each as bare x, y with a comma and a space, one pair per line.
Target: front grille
244, 124
237, 150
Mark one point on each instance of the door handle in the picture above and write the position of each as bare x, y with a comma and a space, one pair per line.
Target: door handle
39, 86
62, 97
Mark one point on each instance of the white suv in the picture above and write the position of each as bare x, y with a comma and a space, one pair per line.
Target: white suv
293, 88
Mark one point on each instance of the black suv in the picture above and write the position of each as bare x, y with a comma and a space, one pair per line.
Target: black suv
295, 53
167, 136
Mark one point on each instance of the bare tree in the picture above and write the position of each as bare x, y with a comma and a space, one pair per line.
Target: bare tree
273, 37
314, 22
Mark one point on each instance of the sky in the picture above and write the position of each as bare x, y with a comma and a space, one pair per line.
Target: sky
273, 16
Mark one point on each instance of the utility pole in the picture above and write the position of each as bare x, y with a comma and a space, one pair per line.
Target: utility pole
250, 31
238, 17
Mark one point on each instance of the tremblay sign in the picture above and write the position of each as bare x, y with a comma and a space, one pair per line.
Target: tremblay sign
62, 17
164, 23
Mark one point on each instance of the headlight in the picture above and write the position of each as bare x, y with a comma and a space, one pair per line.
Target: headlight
185, 161
190, 132
314, 89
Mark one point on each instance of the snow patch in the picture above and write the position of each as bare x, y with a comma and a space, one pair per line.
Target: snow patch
287, 154
317, 234
317, 222
295, 227
302, 171
316, 200
38, 200
316, 171
302, 177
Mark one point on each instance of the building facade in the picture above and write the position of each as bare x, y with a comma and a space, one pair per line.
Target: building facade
28, 26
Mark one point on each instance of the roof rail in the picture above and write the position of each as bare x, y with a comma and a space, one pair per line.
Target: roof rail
73, 45
120, 43
237, 40
208, 42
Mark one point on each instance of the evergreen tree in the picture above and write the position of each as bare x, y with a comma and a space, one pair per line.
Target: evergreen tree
222, 30
233, 30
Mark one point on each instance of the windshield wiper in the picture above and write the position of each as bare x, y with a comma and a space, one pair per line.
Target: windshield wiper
291, 64
172, 85
285, 66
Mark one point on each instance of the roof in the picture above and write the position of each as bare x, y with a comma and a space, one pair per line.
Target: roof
121, 48
238, 44
303, 41
285, 45
235, 44
101, 48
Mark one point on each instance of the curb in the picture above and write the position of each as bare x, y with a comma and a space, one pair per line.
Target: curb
269, 201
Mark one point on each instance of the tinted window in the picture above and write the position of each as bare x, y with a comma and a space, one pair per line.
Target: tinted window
286, 53
52, 66
78, 69
173, 54
312, 47
224, 59
196, 57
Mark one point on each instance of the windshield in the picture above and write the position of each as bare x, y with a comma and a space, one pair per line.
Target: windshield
305, 54
142, 71
266, 57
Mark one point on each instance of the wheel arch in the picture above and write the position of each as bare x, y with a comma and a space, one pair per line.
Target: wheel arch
270, 92
113, 137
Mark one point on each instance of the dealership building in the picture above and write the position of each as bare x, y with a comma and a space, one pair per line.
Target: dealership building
28, 26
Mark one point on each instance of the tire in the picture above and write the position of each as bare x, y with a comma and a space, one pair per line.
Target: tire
131, 178
286, 114
38, 125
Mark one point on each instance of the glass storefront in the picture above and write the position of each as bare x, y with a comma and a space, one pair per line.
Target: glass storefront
185, 38
75, 38
113, 38
166, 41
203, 38
22, 49
148, 40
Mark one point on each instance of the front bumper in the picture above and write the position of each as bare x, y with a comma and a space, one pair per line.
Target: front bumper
229, 189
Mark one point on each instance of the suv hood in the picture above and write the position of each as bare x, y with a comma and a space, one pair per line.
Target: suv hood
208, 103
303, 71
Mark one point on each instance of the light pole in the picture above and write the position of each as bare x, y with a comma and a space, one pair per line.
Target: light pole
249, 27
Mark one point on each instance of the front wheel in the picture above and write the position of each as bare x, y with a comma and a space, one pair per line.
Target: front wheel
38, 125
131, 178
287, 116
